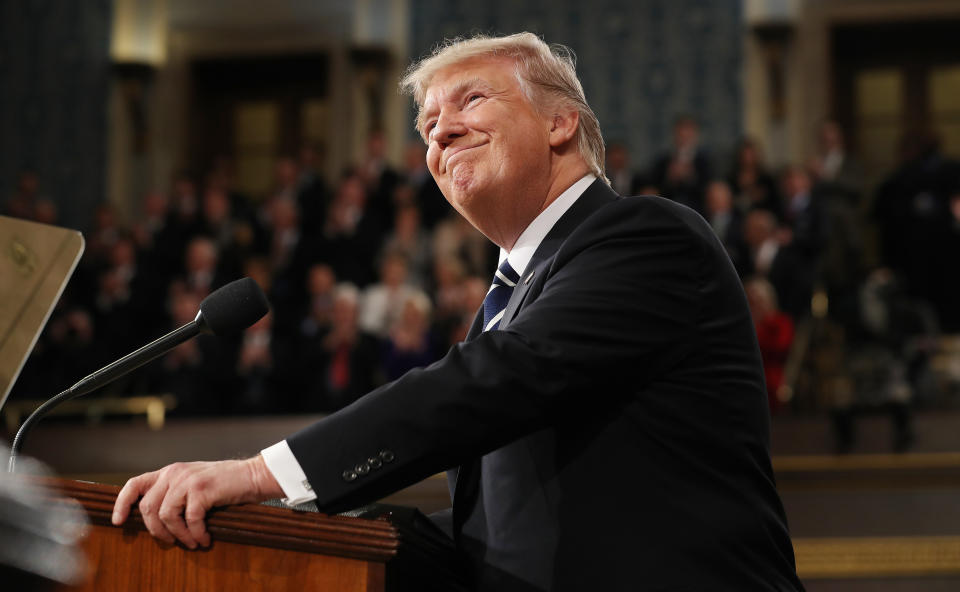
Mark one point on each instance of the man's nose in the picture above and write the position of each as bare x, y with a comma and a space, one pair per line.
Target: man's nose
449, 126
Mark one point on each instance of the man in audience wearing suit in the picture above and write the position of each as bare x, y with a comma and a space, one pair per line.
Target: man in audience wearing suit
604, 423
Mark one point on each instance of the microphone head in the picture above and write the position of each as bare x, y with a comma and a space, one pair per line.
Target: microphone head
233, 308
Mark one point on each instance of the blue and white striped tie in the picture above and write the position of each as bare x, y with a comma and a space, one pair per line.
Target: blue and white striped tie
497, 297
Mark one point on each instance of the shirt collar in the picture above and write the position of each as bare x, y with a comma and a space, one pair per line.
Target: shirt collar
534, 234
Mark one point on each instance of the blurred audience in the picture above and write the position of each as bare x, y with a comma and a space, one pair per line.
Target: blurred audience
375, 273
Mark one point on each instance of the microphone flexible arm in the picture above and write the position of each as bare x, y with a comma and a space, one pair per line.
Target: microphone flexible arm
107, 374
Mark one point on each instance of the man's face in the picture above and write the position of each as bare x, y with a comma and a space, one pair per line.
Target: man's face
685, 134
719, 199
795, 182
489, 149
617, 158
757, 228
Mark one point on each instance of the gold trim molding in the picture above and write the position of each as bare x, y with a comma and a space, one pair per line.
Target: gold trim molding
877, 557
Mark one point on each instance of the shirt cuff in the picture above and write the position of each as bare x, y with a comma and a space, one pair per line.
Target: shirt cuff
288, 473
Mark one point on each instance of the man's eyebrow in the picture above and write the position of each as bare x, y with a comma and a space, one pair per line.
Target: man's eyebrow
458, 90
465, 86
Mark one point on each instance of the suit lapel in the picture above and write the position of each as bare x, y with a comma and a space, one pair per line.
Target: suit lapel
476, 327
464, 480
597, 195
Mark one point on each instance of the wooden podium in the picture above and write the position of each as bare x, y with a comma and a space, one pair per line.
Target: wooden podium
257, 547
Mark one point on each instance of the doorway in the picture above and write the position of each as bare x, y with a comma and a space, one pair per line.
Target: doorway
890, 79
255, 110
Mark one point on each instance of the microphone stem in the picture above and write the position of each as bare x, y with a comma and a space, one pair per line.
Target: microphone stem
104, 376
34, 417
136, 359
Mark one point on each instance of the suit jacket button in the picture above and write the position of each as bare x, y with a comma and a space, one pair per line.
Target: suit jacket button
349, 475
362, 469
374, 462
387, 456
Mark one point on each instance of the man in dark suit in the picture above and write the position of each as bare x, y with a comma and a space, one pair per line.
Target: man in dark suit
605, 420
682, 173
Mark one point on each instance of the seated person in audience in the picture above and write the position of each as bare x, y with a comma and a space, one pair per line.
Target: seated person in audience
128, 306
106, 230
780, 263
454, 237
290, 253
410, 344
65, 350
774, 335
413, 242
258, 392
383, 302
753, 186
183, 221
380, 179
683, 172
234, 237
321, 282
46, 212
622, 178
200, 275
313, 195
346, 363
351, 237
198, 372
836, 174
426, 194
258, 269
474, 290
803, 214
726, 220
448, 274
22, 204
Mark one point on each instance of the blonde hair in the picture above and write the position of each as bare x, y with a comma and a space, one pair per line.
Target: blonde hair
546, 73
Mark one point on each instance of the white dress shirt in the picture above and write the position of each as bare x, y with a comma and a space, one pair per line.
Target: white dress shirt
281, 461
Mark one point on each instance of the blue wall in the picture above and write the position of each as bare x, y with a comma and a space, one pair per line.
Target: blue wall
54, 76
642, 62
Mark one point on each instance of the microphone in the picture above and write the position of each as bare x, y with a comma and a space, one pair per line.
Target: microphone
227, 311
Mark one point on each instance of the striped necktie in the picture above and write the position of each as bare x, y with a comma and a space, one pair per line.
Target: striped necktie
499, 294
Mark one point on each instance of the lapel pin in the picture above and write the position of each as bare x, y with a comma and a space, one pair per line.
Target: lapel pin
529, 277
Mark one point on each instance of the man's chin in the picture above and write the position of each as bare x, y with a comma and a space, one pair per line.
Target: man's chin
463, 183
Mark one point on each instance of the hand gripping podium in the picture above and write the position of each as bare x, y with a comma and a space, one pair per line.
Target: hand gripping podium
255, 547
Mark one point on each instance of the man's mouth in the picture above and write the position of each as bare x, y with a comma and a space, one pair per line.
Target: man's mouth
454, 152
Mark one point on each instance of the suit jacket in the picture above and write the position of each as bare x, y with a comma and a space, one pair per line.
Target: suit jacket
611, 435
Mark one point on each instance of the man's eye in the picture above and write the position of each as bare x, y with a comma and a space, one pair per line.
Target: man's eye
474, 97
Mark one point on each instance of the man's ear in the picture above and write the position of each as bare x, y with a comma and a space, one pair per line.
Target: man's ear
563, 128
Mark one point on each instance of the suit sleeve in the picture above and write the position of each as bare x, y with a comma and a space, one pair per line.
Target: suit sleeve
617, 308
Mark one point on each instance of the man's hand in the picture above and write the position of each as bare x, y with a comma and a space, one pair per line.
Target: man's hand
176, 498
